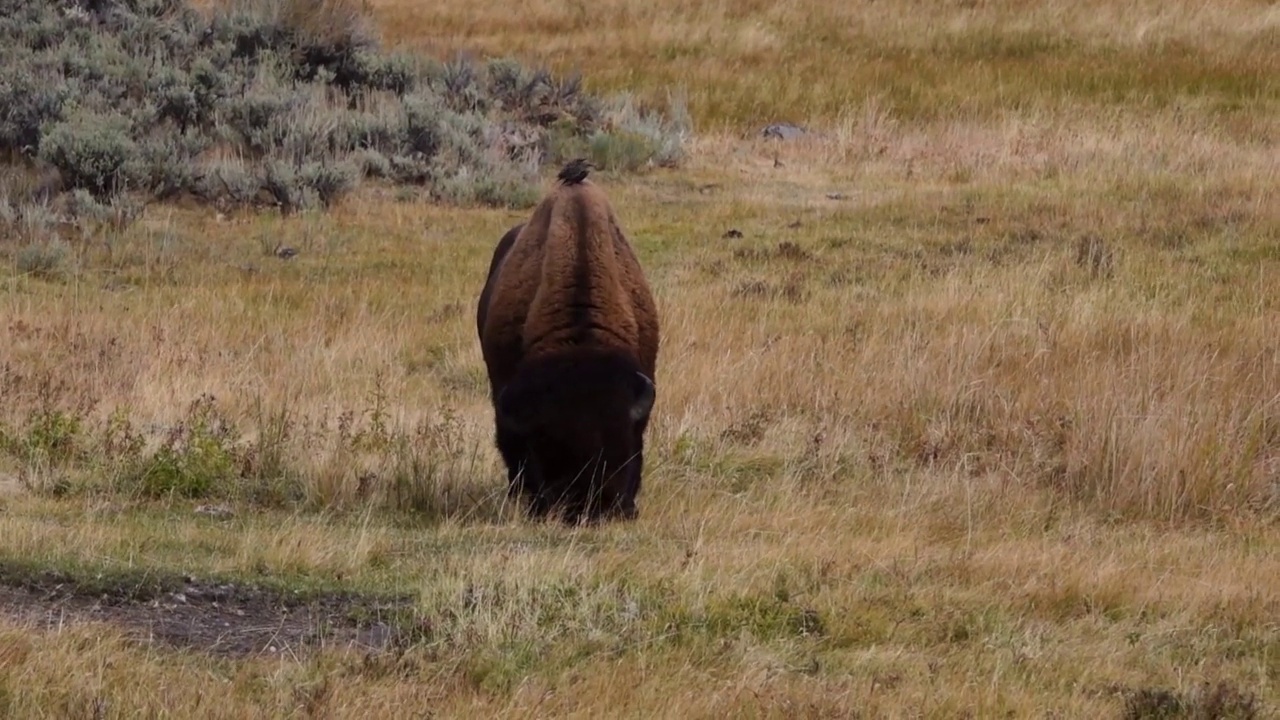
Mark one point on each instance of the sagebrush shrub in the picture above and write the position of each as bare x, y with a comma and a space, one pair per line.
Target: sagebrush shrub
30, 98
299, 99
91, 151
44, 258
330, 181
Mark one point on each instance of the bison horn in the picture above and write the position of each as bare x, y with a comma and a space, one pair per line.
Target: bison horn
645, 395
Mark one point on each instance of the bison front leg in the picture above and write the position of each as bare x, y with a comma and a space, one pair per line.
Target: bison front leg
515, 455
537, 507
635, 469
615, 500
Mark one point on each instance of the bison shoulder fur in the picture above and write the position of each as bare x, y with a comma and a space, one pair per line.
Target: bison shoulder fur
569, 333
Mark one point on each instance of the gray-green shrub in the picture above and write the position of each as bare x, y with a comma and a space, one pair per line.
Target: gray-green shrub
130, 95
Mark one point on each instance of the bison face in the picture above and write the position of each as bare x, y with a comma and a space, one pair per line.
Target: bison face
577, 431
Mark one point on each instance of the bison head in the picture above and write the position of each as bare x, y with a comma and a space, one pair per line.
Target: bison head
577, 423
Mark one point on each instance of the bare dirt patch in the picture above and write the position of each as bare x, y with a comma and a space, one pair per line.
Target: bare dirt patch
222, 618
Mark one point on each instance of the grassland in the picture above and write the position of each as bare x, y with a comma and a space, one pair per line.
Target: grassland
976, 415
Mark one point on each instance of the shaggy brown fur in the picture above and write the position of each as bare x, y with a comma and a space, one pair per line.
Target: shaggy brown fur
569, 333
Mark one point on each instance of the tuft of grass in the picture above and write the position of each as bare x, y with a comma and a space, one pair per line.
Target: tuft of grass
1221, 700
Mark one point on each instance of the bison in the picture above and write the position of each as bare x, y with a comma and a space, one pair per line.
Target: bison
569, 333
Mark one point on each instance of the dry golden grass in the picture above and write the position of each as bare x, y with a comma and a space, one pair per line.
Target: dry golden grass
810, 60
979, 417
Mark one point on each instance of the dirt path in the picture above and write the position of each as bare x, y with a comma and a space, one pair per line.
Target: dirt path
236, 620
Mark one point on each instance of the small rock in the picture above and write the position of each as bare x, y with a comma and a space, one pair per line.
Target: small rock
732, 233
782, 131
378, 636
218, 511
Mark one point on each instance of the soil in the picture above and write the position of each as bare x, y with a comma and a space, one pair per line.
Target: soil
220, 618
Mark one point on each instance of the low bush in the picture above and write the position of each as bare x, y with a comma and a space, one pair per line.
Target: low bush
287, 103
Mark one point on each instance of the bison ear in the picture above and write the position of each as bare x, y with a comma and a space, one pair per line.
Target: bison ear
645, 395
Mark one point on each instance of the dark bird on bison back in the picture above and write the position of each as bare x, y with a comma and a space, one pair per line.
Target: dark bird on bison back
575, 171
569, 333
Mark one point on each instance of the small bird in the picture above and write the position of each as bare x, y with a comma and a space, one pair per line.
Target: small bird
575, 171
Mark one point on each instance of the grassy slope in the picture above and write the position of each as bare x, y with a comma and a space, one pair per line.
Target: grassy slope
802, 60
1006, 477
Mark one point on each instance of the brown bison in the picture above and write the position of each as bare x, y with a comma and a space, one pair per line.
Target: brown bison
569, 333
